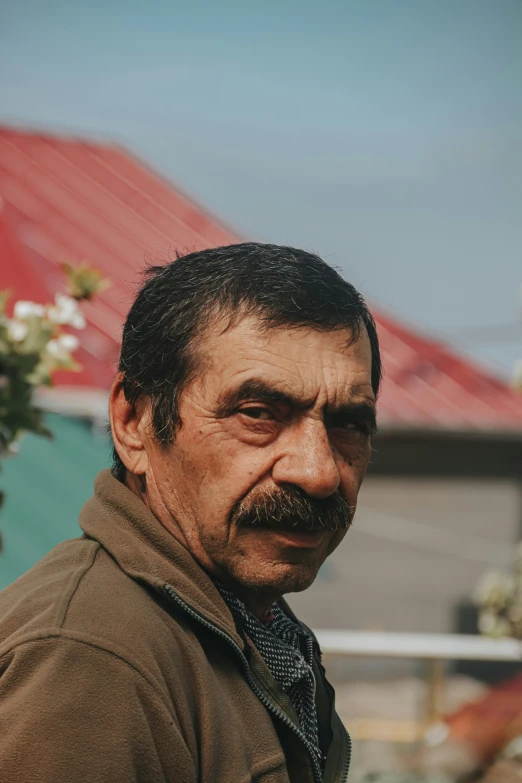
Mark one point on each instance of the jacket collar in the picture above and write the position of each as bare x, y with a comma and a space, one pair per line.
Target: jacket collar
148, 553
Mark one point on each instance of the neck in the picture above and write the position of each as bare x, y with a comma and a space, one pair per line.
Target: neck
256, 601
137, 485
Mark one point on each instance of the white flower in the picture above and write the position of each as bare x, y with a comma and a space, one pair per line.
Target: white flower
487, 621
515, 611
66, 311
62, 346
24, 309
69, 342
17, 330
53, 348
490, 624
14, 447
494, 589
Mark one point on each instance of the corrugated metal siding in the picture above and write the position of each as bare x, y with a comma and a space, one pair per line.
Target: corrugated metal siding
46, 485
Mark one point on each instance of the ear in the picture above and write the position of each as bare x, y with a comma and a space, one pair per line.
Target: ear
129, 428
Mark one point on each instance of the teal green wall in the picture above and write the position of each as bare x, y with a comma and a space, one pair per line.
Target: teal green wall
46, 485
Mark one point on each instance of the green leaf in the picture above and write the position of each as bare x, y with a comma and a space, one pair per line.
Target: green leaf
4, 298
39, 334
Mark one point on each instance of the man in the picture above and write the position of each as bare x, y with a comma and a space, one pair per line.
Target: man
158, 646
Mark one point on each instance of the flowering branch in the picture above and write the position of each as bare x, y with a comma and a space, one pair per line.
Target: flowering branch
34, 344
499, 598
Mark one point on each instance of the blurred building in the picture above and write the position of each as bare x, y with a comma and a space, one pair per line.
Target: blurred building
442, 500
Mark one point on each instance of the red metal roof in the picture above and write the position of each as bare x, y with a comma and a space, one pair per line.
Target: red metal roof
66, 199
487, 725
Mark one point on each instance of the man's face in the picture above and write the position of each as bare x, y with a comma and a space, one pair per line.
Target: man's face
278, 412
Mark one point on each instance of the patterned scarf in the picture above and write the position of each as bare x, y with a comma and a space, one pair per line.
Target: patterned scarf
287, 650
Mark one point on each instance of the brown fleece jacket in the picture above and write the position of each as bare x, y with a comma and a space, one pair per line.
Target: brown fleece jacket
120, 662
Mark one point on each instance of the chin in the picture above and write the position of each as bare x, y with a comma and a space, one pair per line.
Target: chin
279, 578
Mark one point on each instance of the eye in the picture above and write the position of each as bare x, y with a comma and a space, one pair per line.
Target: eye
257, 412
350, 427
341, 424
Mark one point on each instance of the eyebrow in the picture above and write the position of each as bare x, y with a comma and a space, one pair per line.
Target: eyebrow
363, 412
254, 389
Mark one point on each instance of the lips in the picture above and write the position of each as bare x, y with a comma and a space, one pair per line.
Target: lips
301, 539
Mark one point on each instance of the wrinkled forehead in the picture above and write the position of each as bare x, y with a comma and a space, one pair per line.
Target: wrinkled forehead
305, 362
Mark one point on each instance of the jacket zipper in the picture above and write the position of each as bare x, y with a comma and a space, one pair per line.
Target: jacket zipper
253, 685
347, 756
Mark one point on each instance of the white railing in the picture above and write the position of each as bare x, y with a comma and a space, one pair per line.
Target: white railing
435, 649
430, 646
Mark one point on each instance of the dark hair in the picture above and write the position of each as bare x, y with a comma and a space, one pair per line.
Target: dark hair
178, 301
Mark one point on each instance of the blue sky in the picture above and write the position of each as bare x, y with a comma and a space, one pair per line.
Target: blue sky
384, 134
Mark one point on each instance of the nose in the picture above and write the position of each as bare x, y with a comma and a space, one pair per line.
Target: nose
307, 460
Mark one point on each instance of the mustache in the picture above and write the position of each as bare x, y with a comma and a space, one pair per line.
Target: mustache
293, 509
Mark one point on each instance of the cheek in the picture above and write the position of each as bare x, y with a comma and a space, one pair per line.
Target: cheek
352, 471
362, 461
354, 448
227, 475
205, 451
